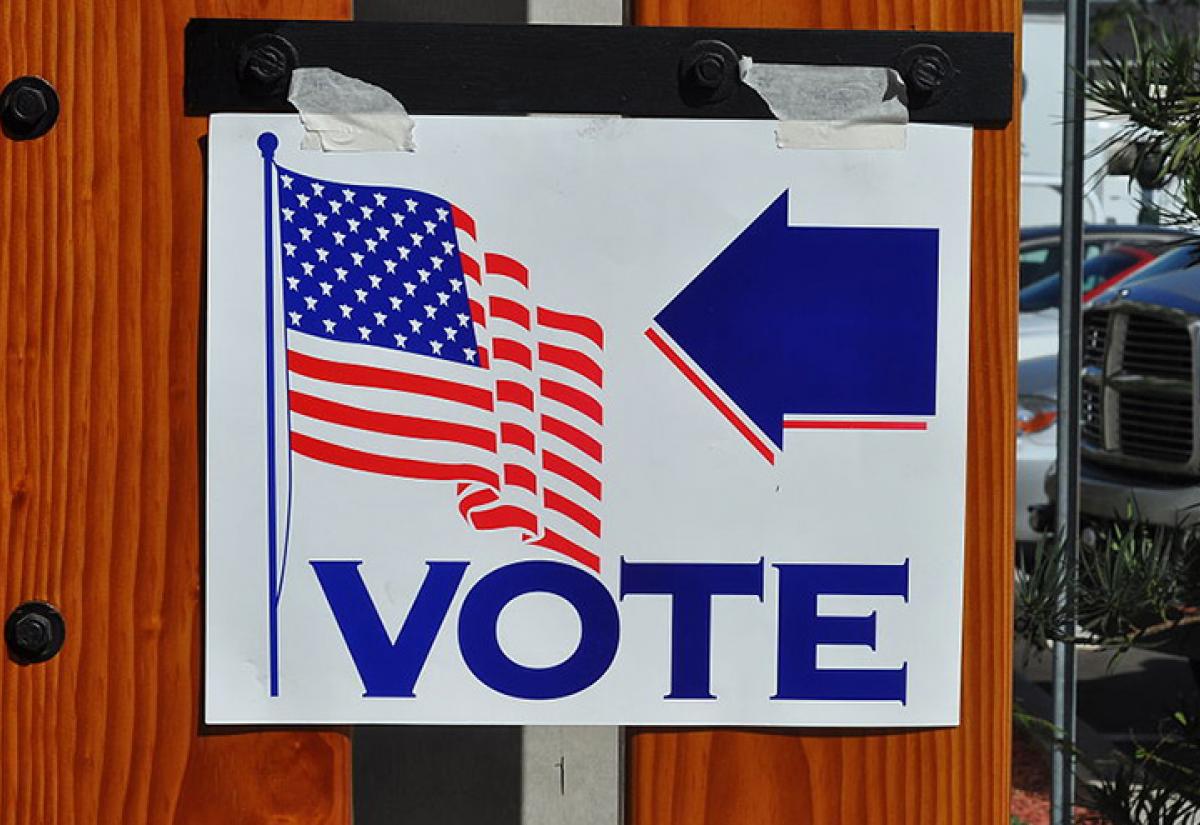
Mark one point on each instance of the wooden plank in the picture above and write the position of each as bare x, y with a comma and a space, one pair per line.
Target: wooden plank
101, 275
958, 775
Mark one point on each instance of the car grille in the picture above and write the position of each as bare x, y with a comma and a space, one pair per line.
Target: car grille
1138, 390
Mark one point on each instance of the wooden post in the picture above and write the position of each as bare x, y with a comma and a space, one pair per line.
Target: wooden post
101, 296
958, 776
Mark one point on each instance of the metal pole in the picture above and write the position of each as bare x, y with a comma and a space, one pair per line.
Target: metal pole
1062, 790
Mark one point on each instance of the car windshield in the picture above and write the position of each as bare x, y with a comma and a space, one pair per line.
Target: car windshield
1178, 256
1045, 293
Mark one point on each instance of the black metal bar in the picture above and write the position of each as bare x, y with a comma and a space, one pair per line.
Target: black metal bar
632, 71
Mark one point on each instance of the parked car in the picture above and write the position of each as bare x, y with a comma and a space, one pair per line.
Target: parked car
1139, 418
1041, 246
1037, 441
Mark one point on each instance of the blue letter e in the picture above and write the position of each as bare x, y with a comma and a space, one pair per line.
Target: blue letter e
802, 629
388, 668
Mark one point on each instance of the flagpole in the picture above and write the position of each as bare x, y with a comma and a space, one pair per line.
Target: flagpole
267, 144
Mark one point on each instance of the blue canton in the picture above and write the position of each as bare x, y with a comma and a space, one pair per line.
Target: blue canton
373, 266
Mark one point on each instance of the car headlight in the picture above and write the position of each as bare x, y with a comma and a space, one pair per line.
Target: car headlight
1035, 413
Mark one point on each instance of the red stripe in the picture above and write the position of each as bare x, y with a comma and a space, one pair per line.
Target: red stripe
509, 310
506, 515
763, 449
577, 400
477, 313
475, 500
580, 515
389, 423
484, 359
505, 349
463, 221
577, 475
574, 436
577, 324
470, 267
519, 476
506, 266
511, 392
358, 375
389, 465
855, 425
561, 544
573, 360
517, 436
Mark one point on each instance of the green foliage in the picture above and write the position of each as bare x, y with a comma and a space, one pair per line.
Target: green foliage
1157, 88
1133, 577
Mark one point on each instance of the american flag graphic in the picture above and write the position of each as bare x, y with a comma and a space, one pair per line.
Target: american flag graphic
411, 352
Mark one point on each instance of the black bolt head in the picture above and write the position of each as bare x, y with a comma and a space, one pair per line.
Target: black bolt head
265, 64
28, 108
708, 73
34, 632
928, 74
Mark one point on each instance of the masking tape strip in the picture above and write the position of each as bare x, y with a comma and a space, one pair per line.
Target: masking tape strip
832, 107
344, 114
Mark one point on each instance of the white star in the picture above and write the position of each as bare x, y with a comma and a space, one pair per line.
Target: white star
303, 200
429, 227
451, 333
365, 333
448, 247
423, 274
382, 232
371, 244
335, 207
398, 218
415, 324
380, 198
456, 284
326, 287
361, 295
353, 224
411, 204
288, 214
293, 283
400, 339
403, 250
295, 316
346, 310
329, 325
308, 268
397, 302
358, 258
375, 281
320, 218
436, 261
416, 239
310, 302
290, 249
380, 318
341, 274
318, 188
348, 194
339, 238
286, 180
463, 320
410, 288
469, 354
391, 266
305, 234
436, 346
323, 255
430, 310
443, 298
366, 212
441, 213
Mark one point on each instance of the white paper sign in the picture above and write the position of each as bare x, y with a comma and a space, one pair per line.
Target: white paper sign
585, 421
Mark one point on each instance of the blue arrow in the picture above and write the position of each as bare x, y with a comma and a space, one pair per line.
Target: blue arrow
815, 320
